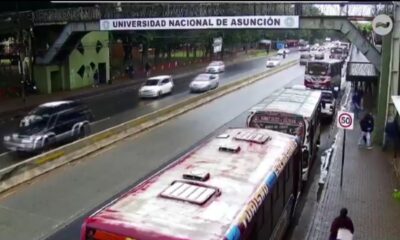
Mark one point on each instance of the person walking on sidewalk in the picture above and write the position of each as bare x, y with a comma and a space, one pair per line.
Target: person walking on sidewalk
356, 103
96, 78
147, 69
367, 126
342, 221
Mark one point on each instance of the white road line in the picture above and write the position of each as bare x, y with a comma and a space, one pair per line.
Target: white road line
101, 120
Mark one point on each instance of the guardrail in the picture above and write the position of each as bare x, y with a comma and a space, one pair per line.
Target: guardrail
36, 166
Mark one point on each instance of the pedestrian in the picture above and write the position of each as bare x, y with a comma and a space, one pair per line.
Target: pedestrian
341, 222
147, 69
367, 126
284, 53
355, 102
96, 78
360, 94
392, 135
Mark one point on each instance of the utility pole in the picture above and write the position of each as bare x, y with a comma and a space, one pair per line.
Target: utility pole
21, 54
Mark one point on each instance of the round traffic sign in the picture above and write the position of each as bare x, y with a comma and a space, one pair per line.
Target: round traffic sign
345, 120
382, 24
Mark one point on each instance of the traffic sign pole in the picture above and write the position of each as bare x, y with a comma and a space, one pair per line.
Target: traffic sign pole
343, 152
345, 121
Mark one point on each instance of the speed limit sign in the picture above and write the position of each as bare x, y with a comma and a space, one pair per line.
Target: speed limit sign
345, 120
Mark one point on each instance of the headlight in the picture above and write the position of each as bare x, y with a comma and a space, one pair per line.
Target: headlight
27, 140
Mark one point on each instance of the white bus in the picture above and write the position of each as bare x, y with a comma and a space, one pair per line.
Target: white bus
292, 111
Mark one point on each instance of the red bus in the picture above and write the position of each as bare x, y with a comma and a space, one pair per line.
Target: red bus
323, 74
241, 184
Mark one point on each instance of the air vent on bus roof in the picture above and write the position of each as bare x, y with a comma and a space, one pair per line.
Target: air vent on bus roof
252, 137
197, 175
229, 148
190, 192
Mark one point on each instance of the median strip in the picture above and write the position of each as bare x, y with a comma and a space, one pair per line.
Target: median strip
38, 165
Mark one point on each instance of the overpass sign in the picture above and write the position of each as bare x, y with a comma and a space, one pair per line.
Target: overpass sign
216, 22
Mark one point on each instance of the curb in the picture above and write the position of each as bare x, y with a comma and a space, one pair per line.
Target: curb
24, 171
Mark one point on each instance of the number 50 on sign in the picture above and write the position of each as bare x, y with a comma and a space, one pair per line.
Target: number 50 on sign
345, 120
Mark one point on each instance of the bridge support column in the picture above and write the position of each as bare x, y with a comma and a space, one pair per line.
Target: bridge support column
389, 82
383, 88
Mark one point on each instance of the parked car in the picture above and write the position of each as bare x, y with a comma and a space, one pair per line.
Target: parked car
304, 58
273, 62
328, 104
319, 56
215, 67
282, 50
204, 82
48, 124
156, 86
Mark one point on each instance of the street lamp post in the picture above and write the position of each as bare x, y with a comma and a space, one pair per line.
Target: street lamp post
21, 54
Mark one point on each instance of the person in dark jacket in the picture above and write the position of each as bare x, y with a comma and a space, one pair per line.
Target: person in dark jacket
367, 126
356, 103
392, 135
343, 221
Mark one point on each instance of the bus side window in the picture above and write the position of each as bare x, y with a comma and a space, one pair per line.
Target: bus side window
277, 203
268, 216
260, 224
289, 177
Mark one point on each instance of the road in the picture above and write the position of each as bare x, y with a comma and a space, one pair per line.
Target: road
121, 105
54, 205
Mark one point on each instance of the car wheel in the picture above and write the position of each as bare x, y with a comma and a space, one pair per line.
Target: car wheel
216, 85
159, 94
84, 131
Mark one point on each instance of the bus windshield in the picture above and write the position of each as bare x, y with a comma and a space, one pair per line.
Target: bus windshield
290, 124
319, 69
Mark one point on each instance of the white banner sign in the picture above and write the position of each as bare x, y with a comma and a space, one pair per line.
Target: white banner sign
217, 45
283, 22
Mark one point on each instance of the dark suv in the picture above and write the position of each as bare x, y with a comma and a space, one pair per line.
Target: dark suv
48, 124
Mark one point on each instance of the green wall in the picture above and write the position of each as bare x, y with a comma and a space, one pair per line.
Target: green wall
65, 76
76, 59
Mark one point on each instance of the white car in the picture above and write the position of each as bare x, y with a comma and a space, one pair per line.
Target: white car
156, 86
204, 82
280, 51
215, 67
273, 62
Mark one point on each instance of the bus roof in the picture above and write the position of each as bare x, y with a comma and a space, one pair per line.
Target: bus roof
330, 61
165, 206
289, 100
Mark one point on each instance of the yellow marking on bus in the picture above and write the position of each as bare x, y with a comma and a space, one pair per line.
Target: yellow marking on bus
49, 157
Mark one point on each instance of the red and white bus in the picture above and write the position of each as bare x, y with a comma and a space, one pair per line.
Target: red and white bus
241, 184
323, 74
293, 111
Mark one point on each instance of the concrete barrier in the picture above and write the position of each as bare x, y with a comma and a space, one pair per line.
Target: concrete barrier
38, 165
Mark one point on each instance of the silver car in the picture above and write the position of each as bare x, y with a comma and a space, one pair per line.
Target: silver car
204, 82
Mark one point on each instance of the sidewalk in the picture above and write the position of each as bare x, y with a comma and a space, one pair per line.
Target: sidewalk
368, 184
14, 107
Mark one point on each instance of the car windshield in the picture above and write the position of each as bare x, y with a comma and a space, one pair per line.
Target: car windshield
327, 96
203, 77
215, 64
305, 56
151, 82
317, 68
336, 50
32, 124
